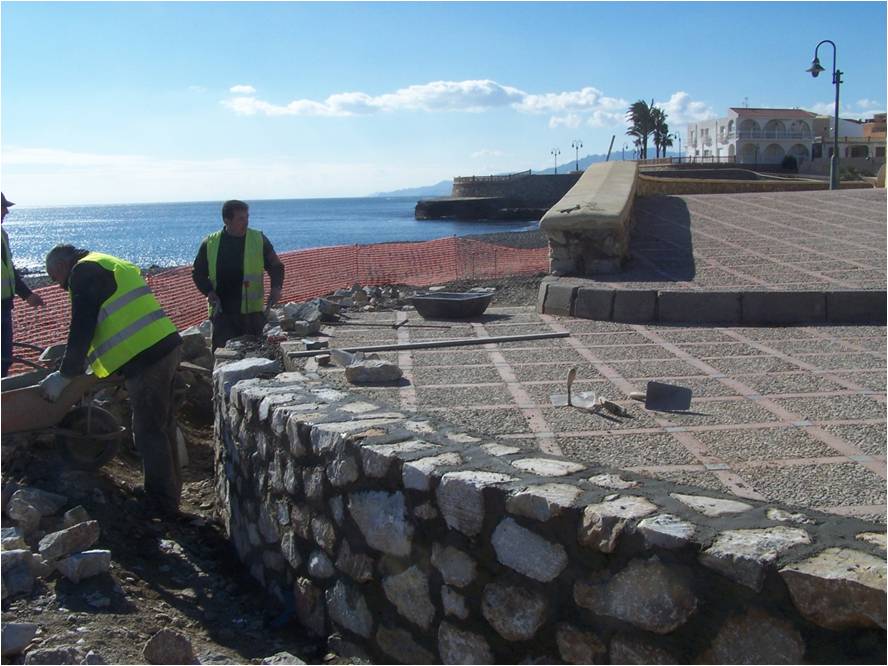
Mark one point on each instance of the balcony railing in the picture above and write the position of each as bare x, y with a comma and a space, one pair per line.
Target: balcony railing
772, 134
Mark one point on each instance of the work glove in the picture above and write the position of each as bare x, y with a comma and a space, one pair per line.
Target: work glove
52, 385
215, 302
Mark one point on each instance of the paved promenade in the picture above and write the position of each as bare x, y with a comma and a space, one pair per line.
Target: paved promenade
777, 241
795, 415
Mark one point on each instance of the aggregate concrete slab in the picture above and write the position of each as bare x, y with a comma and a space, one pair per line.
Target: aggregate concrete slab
792, 414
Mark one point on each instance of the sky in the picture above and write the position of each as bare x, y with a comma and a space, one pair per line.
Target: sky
125, 102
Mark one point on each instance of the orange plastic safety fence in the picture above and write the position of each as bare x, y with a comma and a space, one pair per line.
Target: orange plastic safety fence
309, 273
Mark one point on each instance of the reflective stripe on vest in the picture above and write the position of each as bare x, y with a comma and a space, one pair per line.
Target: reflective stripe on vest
130, 320
252, 290
8, 272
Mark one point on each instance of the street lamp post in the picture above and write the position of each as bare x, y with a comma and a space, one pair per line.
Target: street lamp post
624, 152
576, 144
815, 69
555, 153
678, 136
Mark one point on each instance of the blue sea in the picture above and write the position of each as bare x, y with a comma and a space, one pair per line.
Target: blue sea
168, 234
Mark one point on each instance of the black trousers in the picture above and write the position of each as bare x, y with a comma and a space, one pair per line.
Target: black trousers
227, 326
154, 429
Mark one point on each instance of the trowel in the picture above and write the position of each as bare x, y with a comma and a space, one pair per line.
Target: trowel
587, 401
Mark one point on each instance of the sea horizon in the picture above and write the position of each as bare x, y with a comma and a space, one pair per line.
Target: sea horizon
168, 234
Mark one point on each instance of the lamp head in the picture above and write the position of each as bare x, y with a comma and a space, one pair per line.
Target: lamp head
815, 67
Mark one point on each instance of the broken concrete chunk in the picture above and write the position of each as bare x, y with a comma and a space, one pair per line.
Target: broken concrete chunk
372, 371
71, 540
16, 636
85, 565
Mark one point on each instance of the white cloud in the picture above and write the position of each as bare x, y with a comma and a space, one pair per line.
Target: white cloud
862, 108
681, 109
570, 120
242, 89
487, 152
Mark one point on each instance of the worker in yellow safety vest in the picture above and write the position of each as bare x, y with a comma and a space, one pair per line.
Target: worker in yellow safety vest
12, 285
228, 270
119, 327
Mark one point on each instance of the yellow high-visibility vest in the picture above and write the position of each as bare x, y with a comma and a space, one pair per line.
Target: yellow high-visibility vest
252, 291
8, 272
130, 320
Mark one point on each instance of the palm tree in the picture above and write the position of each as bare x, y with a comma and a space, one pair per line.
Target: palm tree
641, 125
660, 129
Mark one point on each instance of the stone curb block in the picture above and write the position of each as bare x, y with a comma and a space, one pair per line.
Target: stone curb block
856, 307
594, 304
559, 299
763, 308
722, 307
635, 306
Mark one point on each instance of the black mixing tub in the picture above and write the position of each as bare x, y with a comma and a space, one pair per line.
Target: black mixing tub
451, 305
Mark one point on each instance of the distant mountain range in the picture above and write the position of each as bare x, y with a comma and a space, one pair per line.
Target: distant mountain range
444, 188
441, 189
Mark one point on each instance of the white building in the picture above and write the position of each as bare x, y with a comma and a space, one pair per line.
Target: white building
753, 136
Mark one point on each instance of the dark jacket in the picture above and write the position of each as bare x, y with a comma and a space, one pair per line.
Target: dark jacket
230, 270
21, 289
91, 285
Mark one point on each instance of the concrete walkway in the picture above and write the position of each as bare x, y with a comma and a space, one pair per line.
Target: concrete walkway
785, 242
795, 415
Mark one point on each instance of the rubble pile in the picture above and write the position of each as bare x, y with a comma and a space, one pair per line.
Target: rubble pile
43, 543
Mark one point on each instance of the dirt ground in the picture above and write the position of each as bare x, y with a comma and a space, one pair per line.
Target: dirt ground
179, 574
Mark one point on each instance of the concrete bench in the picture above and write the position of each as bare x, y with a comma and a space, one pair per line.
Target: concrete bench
588, 229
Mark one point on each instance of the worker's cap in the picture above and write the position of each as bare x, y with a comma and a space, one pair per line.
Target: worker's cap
6, 202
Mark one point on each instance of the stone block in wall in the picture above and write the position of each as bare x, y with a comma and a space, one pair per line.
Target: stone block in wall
543, 502
716, 307
647, 593
324, 533
461, 500
778, 308
636, 306
666, 531
325, 437
377, 458
320, 566
229, 374
595, 304
417, 474
756, 637
290, 550
744, 555
839, 588
342, 470
357, 565
409, 592
634, 649
856, 307
309, 605
347, 607
516, 613
528, 553
400, 644
456, 567
453, 603
382, 519
603, 523
458, 646
576, 646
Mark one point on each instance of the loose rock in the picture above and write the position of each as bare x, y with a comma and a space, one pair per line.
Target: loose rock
169, 646
16, 636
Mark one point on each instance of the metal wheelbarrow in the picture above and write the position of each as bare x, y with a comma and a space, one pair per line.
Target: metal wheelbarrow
88, 434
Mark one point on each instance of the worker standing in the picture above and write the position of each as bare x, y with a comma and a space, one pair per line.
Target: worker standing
118, 326
228, 270
12, 285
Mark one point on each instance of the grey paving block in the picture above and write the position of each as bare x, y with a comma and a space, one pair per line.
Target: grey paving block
856, 307
721, 307
635, 306
764, 308
559, 299
594, 304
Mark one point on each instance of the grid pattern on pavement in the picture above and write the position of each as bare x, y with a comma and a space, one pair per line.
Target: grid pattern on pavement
779, 241
794, 415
